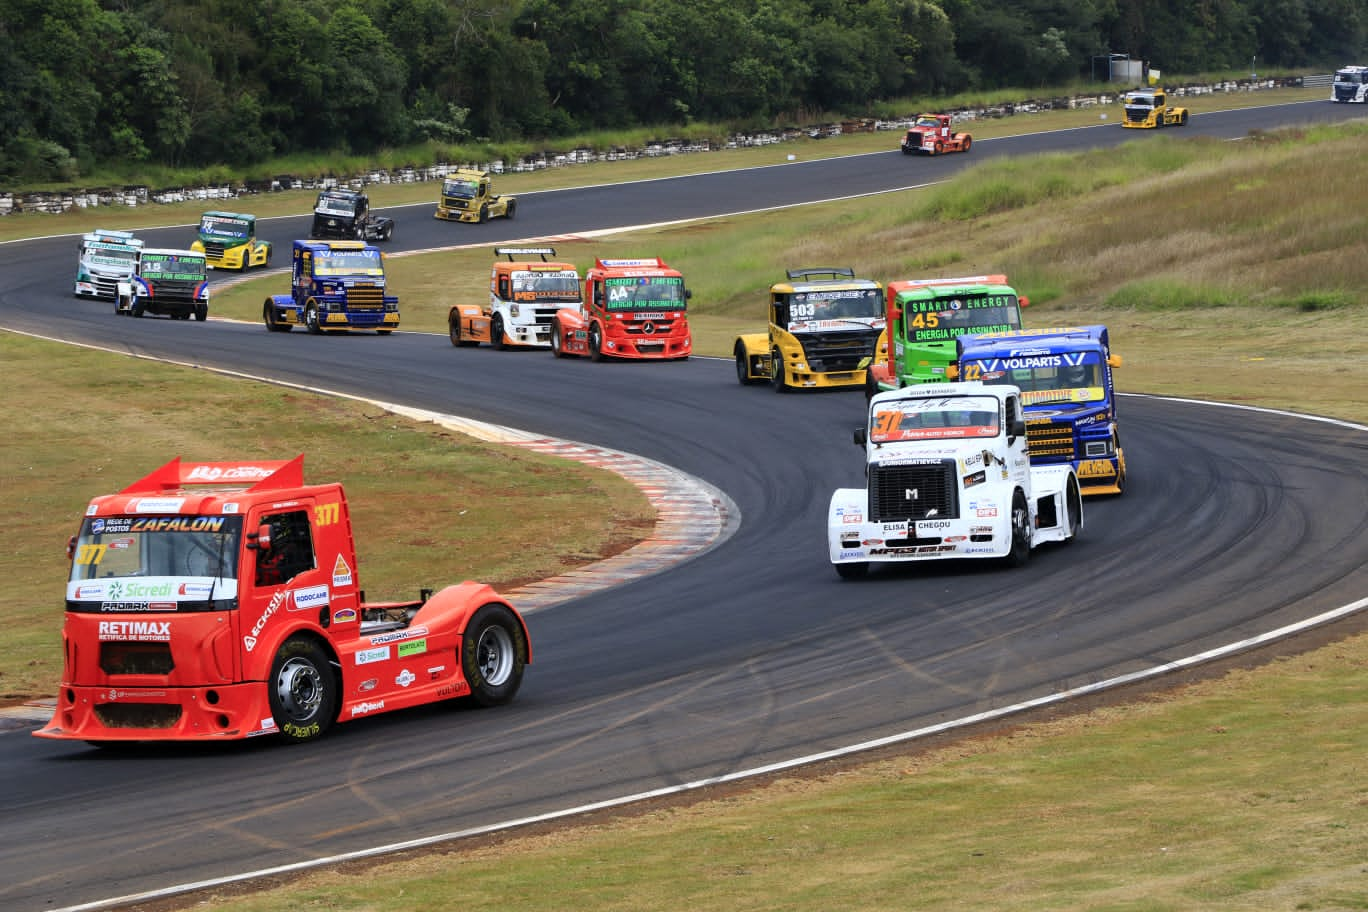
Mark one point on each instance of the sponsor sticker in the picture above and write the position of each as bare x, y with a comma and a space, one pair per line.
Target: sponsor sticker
367, 656
416, 647
405, 678
412, 633
342, 574
310, 597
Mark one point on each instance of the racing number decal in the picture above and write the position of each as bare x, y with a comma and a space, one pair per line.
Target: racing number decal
886, 423
91, 554
926, 321
804, 310
973, 371
326, 514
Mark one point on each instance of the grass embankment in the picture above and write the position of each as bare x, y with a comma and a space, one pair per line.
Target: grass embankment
429, 507
1226, 271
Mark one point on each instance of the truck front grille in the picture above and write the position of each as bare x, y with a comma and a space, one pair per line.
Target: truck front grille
174, 291
1050, 442
365, 297
214, 250
128, 658
913, 492
839, 351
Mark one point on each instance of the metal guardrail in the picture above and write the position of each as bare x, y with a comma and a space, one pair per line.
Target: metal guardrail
1318, 80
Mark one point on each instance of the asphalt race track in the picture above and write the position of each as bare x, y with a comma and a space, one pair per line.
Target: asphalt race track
1234, 524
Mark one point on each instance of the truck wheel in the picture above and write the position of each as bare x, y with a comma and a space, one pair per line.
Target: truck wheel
777, 379
201, 312
557, 343
484, 214
268, 316
1182, 119
389, 232
595, 344
512, 207
311, 318
493, 655
302, 691
968, 141
852, 571
496, 333
940, 147
743, 376
1021, 532
1074, 499
136, 309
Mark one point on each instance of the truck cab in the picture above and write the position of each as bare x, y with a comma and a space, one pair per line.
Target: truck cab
334, 285
632, 308
229, 240
345, 215
947, 475
1350, 85
468, 196
104, 259
925, 317
168, 282
524, 296
934, 134
218, 601
1148, 108
1065, 378
824, 329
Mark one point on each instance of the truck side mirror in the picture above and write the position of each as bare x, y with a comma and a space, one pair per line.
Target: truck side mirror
895, 313
1023, 301
261, 539
688, 294
1114, 360
71, 548
1018, 428
860, 436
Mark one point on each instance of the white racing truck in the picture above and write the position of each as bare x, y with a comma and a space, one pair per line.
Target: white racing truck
947, 476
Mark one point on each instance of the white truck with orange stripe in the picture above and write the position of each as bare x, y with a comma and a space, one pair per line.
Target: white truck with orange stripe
947, 476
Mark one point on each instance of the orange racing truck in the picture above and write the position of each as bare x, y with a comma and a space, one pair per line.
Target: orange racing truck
222, 600
524, 297
631, 309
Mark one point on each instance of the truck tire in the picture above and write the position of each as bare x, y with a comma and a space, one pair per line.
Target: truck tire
557, 343
852, 571
1074, 505
1182, 119
268, 316
512, 207
940, 147
201, 312
1021, 532
311, 318
595, 343
484, 213
302, 691
743, 376
493, 655
968, 141
389, 232
496, 333
137, 308
777, 379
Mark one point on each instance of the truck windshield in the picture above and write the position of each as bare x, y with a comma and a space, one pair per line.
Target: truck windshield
154, 563
1355, 78
546, 286
186, 267
330, 202
349, 262
104, 255
645, 293
861, 304
1063, 378
464, 189
223, 228
946, 418
941, 318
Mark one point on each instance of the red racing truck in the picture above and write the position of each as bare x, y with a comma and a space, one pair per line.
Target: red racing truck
215, 601
631, 309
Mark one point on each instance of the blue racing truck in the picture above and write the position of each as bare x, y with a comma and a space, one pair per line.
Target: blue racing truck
334, 285
1067, 396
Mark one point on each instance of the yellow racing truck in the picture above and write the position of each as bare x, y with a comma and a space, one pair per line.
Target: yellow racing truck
468, 196
1147, 109
824, 330
229, 240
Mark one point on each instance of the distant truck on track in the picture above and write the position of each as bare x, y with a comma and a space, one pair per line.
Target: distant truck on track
334, 285
525, 295
229, 240
344, 215
633, 308
933, 134
1148, 109
169, 283
104, 259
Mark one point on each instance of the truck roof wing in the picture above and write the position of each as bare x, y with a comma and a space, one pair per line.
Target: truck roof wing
512, 252
639, 262
1060, 335
909, 284
264, 475
832, 272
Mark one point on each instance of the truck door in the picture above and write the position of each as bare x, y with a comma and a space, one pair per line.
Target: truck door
285, 579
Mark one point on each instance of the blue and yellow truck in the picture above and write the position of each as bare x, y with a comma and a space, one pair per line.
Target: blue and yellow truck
1067, 396
334, 285
229, 240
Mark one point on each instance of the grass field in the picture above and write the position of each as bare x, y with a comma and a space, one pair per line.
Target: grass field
1226, 271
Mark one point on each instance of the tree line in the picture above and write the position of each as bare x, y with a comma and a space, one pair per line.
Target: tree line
202, 82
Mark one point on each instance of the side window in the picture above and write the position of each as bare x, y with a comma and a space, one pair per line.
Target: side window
781, 315
504, 291
292, 550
